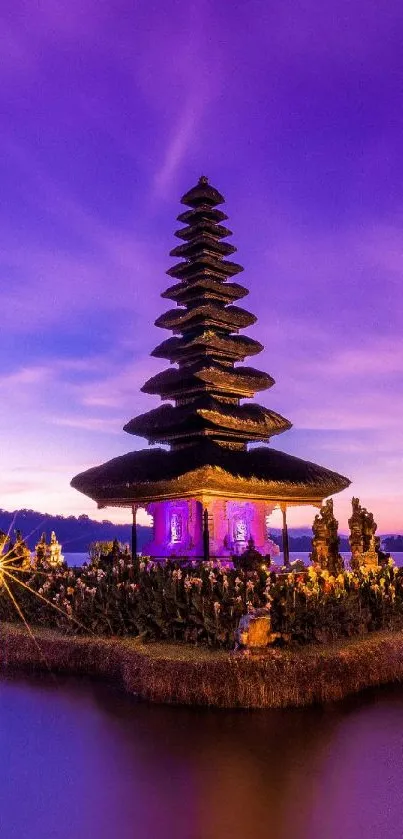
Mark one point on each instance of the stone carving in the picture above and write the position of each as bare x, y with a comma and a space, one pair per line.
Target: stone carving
320, 553
49, 554
364, 545
19, 552
3, 541
255, 630
251, 559
40, 549
55, 557
369, 528
176, 527
325, 542
356, 539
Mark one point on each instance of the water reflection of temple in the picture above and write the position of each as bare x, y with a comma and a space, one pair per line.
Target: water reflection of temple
208, 494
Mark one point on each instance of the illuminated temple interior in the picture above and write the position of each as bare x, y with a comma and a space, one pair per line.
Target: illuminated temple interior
210, 492
178, 528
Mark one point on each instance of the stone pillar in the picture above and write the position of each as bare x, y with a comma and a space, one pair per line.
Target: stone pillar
206, 536
194, 527
134, 531
218, 526
286, 548
270, 547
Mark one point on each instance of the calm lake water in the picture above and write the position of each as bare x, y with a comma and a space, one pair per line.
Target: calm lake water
81, 761
79, 558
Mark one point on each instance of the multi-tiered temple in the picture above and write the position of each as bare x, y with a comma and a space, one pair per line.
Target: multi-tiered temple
208, 475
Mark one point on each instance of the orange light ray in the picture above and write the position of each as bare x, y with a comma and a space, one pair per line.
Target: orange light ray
12, 523
7, 555
26, 624
45, 600
11, 564
34, 529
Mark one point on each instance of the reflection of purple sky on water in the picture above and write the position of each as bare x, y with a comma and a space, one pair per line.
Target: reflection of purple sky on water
83, 761
109, 112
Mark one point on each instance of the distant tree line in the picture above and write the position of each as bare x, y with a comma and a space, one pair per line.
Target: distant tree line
77, 533
393, 544
303, 543
74, 533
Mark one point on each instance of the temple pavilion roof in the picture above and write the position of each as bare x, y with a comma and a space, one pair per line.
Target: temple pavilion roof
210, 470
203, 420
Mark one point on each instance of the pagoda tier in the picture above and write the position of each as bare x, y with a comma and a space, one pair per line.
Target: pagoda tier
202, 246
203, 418
225, 318
204, 263
198, 216
190, 348
206, 377
205, 288
202, 195
202, 225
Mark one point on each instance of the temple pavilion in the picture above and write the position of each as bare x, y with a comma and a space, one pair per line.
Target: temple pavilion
208, 493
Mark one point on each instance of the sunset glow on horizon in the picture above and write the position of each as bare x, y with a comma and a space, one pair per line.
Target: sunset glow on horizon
109, 114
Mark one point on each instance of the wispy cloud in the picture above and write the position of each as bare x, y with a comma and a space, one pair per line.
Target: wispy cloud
98, 424
382, 358
121, 387
183, 134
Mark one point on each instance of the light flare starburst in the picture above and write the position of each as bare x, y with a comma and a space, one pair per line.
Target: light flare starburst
12, 570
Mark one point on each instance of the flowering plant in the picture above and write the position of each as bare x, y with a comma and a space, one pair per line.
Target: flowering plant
203, 603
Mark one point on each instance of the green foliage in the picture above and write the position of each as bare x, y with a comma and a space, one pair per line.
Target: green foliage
98, 549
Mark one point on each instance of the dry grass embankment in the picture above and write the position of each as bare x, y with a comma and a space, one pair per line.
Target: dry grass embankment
165, 672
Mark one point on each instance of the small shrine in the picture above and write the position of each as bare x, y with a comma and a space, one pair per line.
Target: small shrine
18, 551
3, 541
365, 546
49, 554
325, 542
210, 494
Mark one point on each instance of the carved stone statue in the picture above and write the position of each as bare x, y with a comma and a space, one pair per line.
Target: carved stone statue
49, 554
356, 538
20, 552
40, 549
325, 542
365, 546
3, 541
55, 556
369, 528
249, 560
320, 553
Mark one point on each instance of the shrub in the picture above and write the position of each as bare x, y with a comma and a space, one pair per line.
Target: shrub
203, 602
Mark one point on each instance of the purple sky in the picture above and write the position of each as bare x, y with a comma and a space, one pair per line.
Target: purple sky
109, 112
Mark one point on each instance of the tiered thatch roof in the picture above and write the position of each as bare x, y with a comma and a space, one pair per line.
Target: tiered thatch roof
207, 427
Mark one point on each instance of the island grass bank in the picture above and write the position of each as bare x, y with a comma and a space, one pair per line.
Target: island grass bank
188, 675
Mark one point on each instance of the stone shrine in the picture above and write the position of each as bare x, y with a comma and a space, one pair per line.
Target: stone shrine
363, 542
325, 542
